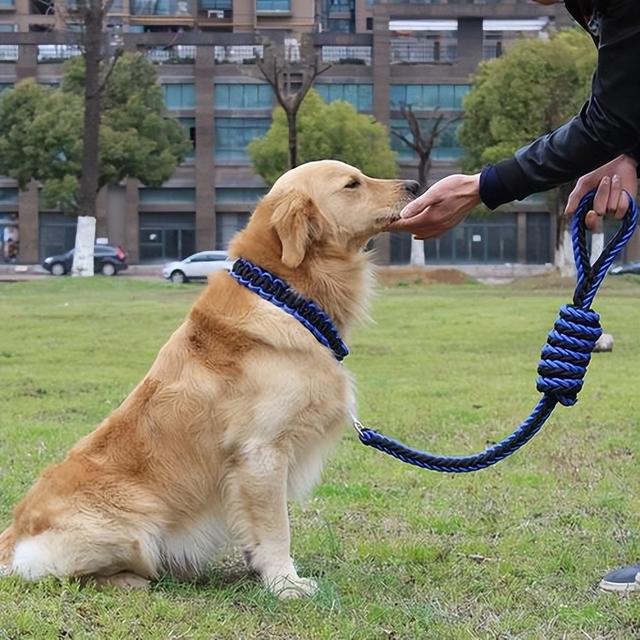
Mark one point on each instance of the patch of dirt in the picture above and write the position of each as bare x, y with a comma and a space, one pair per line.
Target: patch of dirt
391, 276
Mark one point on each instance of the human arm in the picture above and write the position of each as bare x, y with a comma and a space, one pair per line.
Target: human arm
609, 124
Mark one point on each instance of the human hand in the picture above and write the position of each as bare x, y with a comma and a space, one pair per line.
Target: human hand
611, 181
441, 207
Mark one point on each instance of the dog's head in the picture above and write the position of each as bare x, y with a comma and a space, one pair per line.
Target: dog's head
331, 204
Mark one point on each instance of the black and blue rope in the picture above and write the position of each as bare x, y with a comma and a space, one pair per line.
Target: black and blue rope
563, 363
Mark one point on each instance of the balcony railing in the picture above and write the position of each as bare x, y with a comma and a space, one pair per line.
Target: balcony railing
422, 52
55, 52
178, 54
160, 8
8, 52
238, 54
346, 55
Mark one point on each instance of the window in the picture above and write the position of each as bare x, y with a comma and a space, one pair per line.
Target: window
273, 5
8, 196
234, 134
428, 96
166, 236
490, 240
170, 195
241, 195
227, 225
447, 147
538, 238
243, 96
216, 5
179, 95
359, 95
7, 27
160, 8
189, 125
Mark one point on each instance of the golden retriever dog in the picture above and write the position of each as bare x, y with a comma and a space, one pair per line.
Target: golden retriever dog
235, 416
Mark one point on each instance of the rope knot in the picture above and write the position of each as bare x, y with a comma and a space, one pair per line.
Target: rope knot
567, 354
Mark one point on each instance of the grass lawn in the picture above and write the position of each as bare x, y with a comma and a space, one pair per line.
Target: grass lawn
515, 551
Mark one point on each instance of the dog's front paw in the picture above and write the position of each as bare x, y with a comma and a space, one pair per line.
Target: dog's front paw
286, 587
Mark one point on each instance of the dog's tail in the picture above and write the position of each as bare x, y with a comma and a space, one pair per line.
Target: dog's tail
7, 545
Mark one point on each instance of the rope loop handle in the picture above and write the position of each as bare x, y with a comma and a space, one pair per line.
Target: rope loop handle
564, 358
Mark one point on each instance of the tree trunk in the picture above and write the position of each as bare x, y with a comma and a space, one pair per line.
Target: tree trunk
597, 240
292, 117
423, 171
417, 252
93, 38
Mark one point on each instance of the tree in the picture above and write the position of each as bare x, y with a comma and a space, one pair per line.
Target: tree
531, 90
42, 136
291, 72
334, 130
422, 138
90, 15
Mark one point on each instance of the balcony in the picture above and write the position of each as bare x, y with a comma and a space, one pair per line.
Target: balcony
273, 7
178, 8
178, 54
57, 52
346, 54
216, 9
8, 52
422, 52
238, 54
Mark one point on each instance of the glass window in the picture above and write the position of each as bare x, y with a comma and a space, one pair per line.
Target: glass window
243, 96
8, 196
227, 225
273, 5
359, 95
173, 195
428, 96
189, 125
447, 147
242, 195
179, 95
5, 85
234, 134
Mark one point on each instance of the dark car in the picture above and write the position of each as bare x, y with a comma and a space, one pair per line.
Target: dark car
621, 269
107, 261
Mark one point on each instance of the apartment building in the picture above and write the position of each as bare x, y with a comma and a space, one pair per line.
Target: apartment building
384, 54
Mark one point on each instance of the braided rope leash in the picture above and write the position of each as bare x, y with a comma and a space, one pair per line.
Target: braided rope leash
563, 363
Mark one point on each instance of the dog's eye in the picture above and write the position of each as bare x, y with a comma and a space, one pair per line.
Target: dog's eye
353, 184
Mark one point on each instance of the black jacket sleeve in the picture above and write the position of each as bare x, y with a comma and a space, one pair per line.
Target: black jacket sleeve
608, 125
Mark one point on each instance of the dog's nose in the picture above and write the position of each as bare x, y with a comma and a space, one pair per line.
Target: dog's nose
412, 186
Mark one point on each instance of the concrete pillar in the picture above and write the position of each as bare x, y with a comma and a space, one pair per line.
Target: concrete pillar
28, 224
116, 215
205, 144
27, 64
132, 221
470, 43
521, 236
381, 70
244, 15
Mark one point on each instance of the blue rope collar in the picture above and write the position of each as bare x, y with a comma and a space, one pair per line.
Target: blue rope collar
277, 291
563, 363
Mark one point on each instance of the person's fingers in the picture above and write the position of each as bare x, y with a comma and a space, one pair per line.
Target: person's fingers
591, 220
419, 205
574, 197
602, 196
615, 193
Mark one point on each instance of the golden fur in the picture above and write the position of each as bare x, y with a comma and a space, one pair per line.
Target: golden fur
235, 416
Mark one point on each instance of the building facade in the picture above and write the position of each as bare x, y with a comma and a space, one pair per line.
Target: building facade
384, 54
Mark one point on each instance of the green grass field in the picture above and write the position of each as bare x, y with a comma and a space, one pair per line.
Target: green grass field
515, 551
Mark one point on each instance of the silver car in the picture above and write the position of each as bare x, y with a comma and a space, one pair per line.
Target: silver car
197, 267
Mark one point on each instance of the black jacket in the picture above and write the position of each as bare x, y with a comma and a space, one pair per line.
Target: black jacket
607, 125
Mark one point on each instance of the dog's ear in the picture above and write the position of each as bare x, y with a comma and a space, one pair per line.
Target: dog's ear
297, 221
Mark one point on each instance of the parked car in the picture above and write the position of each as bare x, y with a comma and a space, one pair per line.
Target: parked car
107, 260
620, 269
197, 267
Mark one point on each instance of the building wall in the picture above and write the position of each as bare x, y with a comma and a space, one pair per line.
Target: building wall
220, 99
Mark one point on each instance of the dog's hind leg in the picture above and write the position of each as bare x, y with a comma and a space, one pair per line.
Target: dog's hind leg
256, 503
